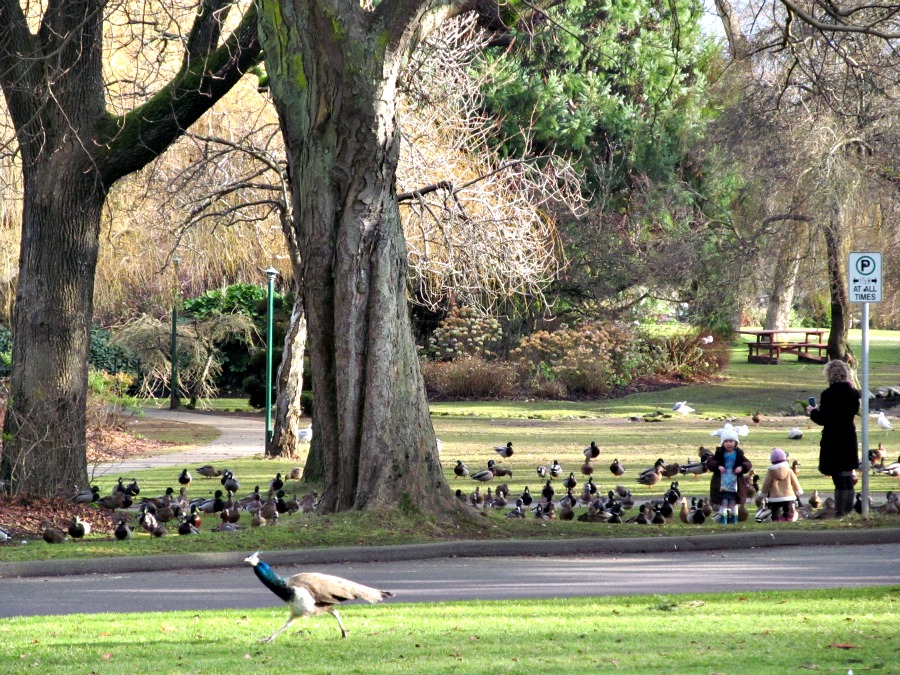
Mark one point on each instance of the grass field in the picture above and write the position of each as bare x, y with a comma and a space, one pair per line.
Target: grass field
832, 631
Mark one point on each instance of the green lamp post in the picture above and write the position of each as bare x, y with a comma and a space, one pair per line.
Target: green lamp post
174, 399
271, 273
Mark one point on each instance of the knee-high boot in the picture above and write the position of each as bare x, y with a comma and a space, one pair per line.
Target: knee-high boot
843, 502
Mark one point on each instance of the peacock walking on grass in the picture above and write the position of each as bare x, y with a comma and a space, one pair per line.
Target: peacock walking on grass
310, 593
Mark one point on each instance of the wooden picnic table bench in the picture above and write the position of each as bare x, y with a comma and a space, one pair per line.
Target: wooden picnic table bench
770, 345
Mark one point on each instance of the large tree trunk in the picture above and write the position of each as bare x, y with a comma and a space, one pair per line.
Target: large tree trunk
333, 87
836, 247
73, 150
784, 281
45, 449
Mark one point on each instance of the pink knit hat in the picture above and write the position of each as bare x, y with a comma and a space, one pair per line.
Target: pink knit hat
778, 455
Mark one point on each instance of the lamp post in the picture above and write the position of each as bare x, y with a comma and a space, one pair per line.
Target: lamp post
271, 273
174, 399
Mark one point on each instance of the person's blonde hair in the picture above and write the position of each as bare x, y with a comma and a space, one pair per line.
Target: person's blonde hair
838, 371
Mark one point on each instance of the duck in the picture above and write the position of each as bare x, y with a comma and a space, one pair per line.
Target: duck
651, 476
889, 507
641, 518
53, 535
592, 451
756, 418
616, 468
209, 471
587, 468
483, 476
591, 486
566, 511
117, 500
498, 470
500, 500
697, 516
696, 469
658, 518
684, 512
132, 489
122, 531
461, 496
228, 527
476, 498
526, 497
753, 486
86, 496
254, 497
184, 478
4, 535
743, 514
671, 469
460, 470
504, 450
547, 492
815, 500
296, 473
570, 483
159, 531
229, 481
276, 483
309, 502
213, 505
555, 469
186, 527
795, 467
517, 512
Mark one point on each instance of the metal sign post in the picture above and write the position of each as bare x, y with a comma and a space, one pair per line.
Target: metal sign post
864, 274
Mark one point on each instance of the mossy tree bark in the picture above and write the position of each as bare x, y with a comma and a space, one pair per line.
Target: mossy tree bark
73, 150
333, 68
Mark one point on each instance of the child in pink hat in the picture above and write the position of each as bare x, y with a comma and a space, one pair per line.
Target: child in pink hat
781, 487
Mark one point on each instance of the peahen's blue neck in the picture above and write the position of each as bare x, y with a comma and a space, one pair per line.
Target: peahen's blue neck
273, 582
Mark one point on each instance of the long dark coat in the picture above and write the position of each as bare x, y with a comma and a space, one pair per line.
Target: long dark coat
715, 484
838, 405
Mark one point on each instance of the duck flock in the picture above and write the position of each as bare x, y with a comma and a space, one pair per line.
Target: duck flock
562, 493
155, 516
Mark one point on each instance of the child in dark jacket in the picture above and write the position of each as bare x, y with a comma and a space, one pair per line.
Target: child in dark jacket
728, 486
781, 487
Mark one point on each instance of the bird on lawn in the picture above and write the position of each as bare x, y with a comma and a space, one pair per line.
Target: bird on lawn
305, 435
483, 476
52, 535
616, 468
683, 408
756, 417
122, 531
4, 535
795, 433
498, 470
184, 478
460, 470
78, 528
209, 471
86, 496
504, 450
555, 469
311, 593
883, 422
592, 451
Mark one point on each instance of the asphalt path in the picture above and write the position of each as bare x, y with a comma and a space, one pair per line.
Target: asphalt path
438, 580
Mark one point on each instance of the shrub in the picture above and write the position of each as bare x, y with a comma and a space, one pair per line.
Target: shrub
685, 356
469, 378
589, 359
465, 332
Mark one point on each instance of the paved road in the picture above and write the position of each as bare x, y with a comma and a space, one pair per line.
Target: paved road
471, 578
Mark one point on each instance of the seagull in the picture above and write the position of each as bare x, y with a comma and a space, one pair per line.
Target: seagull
305, 435
795, 433
883, 421
683, 408
707, 340
437, 442
740, 430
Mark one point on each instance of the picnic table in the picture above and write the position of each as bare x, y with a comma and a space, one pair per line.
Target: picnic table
769, 345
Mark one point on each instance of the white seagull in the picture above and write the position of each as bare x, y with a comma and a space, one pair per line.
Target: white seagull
740, 430
883, 421
683, 408
305, 435
706, 340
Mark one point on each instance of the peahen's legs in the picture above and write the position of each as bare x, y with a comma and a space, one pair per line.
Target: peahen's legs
340, 623
279, 631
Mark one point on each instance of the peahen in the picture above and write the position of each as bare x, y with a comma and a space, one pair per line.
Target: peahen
310, 593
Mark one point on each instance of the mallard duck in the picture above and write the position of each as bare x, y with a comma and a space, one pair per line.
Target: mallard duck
592, 451
616, 468
753, 485
684, 511
86, 496
542, 471
229, 527
641, 518
547, 492
122, 531
309, 502
213, 505
498, 470
52, 535
651, 476
673, 494
570, 483
526, 496
185, 527
132, 489
566, 511
815, 500
671, 469
795, 467
697, 516
476, 498
229, 481
276, 483
209, 471
693, 468
147, 521
296, 473
587, 468
742, 513
484, 475
461, 496
504, 450
889, 507
517, 512
159, 531
117, 500
555, 469
184, 478
4, 535
658, 517
500, 500
756, 418
460, 470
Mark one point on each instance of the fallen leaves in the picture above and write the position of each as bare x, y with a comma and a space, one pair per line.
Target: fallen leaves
842, 645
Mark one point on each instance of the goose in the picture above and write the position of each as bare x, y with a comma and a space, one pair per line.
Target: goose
209, 471
504, 450
460, 470
555, 469
616, 468
592, 451
229, 481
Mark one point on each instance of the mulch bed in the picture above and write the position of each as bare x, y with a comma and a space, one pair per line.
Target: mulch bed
24, 517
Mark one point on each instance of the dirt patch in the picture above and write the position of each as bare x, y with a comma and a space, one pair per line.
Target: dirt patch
24, 516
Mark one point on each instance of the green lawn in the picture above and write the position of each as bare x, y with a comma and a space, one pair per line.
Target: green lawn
830, 631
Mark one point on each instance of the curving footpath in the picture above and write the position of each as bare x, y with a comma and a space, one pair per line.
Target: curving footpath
242, 436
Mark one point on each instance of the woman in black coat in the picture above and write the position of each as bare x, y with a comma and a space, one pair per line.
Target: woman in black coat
838, 452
